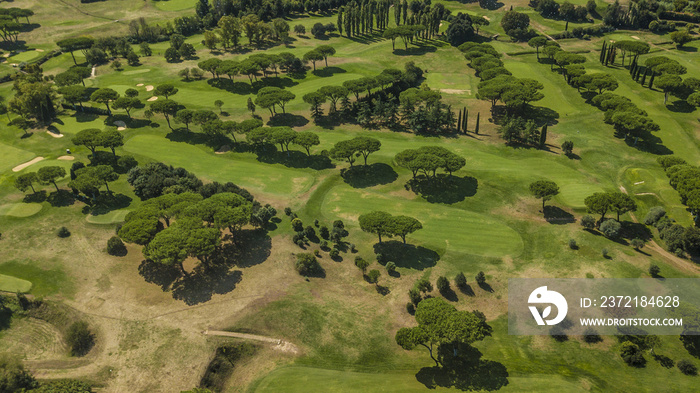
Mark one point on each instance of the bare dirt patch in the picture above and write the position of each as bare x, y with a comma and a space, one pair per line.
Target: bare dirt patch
455, 91
26, 164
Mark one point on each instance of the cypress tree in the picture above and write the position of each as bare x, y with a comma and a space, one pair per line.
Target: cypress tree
476, 129
464, 120
644, 77
543, 136
459, 121
651, 81
602, 53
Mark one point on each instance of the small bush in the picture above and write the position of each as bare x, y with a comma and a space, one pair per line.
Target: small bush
361, 264
353, 249
300, 243
324, 232
679, 253
373, 276
115, 246
480, 278
415, 296
588, 221
316, 223
288, 211
380, 258
460, 280
631, 354
654, 215
591, 336
297, 225
324, 245
79, 338
654, 270
687, 367
637, 243
605, 253
611, 229
572, 244
306, 264
424, 285
317, 253
390, 267
335, 253
443, 284
410, 308
62, 232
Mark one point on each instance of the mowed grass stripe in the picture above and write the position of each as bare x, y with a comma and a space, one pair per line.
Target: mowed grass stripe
444, 228
12, 156
245, 172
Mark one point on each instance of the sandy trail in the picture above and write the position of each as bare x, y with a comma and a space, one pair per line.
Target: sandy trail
26, 164
280, 345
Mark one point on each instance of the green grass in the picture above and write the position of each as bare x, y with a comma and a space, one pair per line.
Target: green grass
246, 172
24, 56
20, 210
14, 284
45, 281
12, 156
113, 217
175, 5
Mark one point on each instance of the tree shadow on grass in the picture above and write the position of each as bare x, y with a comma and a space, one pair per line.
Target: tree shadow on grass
447, 189
415, 51
195, 138
328, 71
35, 197
633, 230
287, 119
235, 87
680, 106
294, 159
406, 255
82, 117
200, 286
466, 371
105, 203
61, 198
467, 290
485, 286
557, 215
157, 273
249, 248
363, 176
449, 294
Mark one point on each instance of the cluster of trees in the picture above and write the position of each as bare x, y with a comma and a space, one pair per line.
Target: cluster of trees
34, 98
544, 190
45, 175
604, 202
99, 50
272, 97
230, 31
635, 15
516, 129
678, 239
265, 63
283, 136
517, 26
566, 11
628, 119
423, 111
355, 19
665, 73
11, 23
92, 138
384, 224
428, 159
350, 149
440, 324
685, 179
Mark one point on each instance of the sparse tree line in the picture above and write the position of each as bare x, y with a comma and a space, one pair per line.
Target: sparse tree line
565, 10
100, 50
665, 74
12, 21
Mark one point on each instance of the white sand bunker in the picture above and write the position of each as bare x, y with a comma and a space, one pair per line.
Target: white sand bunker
455, 91
149, 87
26, 164
139, 85
635, 37
39, 50
55, 135
152, 98
223, 149
121, 126
66, 158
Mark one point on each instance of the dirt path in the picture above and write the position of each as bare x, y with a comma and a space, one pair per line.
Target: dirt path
678, 263
280, 345
92, 74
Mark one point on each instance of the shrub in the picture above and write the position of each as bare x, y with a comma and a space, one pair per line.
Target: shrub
415, 296
381, 258
591, 336
323, 231
604, 252
62, 232
410, 308
353, 249
572, 244
663, 223
309, 232
373, 276
631, 354
655, 213
300, 243
316, 223
335, 253
443, 284
288, 211
611, 229
390, 267
79, 338
460, 280
654, 270
361, 264
637, 243
115, 246
306, 264
687, 367
588, 221
423, 285
480, 278
297, 225
317, 253
324, 245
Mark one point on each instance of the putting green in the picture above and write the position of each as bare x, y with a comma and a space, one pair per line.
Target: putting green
138, 71
444, 228
10, 156
241, 169
14, 284
65, 164
24, 56
20, 210
175, 5
112, 217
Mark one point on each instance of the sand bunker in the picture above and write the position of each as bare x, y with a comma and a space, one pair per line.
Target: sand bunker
455, 91
26, 164
635, 37
152, 98
39, 50
223, 149
139, 85
66, 158
55, 135
149, 87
